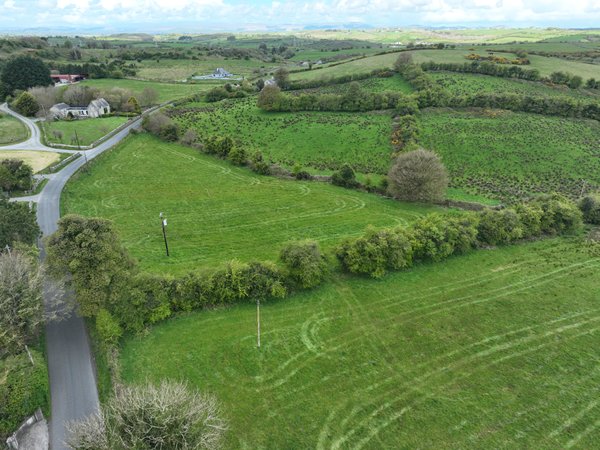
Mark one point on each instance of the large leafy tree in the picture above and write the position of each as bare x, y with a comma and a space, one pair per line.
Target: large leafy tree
20, 301
24, 72
87, 252
17, 224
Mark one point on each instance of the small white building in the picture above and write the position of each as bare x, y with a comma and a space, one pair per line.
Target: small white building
96, 108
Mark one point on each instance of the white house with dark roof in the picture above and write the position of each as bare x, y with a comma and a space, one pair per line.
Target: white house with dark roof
96, 108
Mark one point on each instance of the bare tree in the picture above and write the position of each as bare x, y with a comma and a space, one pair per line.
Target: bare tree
77, 95
148, 96
419, 175
169, 416
46, 97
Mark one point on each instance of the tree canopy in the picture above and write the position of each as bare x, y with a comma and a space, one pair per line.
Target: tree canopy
24, 72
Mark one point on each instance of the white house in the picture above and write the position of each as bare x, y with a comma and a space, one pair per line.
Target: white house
96, 108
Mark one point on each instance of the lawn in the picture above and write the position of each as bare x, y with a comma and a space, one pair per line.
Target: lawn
468, 84
508, 155
321, 140
216, 211
496, 349
11, 130
165, 91
37, 160
88, 130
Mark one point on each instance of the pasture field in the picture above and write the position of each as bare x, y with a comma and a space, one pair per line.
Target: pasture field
11, 130
395, 83
181, 69
321, 140
165, 91
37, 160
88, 130
468, 84
495, 349
508, 155
216, 211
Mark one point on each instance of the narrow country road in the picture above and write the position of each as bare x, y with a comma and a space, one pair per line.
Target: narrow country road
34, 142
73, 388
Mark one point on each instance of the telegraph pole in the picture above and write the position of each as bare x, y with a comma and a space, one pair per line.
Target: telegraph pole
163, 222
79, 148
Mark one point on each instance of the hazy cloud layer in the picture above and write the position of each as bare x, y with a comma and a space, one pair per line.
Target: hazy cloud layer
237, 14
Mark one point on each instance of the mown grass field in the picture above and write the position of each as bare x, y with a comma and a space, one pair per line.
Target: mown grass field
216, 211
37, 160
11, 130
507, 155
496, 349
321, 140
544, 64
469, 84
165, 91
88, 130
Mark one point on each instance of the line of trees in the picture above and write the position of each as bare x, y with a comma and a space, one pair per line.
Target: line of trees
436, 237
272, 99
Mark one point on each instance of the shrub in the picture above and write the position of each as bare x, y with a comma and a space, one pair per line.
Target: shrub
23, 389
377, 251
148, 302
108, 328
304, 262
590, 208
499, 227
216, 94
238, 281
238, 156
169, 416
162, 126
17, 224
560, 214
438, 236
345, 177
530, 216
418, 176
259, 165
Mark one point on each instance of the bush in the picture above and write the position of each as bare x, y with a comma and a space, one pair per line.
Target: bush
499, 227
438, 236
590, 208
161, 126
419, 175
259, 165
23, 389
377, 251
17, 224
108, 328
304, 262
560, 215
345, 177
168, 416
216, 94
238, 156
530, 216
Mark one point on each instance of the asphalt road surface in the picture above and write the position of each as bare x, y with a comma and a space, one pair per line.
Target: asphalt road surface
71, 369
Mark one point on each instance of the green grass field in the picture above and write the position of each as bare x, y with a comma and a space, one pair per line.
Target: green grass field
321, 140
216, 211
165, 91
468, 84
88, 130
496, 349
507, 155
395, 83
544, 64
11, 130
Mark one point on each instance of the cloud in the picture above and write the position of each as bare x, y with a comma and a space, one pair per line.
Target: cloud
258, 13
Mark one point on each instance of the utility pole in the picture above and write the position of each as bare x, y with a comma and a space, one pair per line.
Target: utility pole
163, 222
258, 322
79, 148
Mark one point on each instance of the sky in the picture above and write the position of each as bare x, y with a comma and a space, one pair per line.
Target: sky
235, 15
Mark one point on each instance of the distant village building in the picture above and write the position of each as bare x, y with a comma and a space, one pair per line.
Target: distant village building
271, 82
219, 74
66, 79
95, 109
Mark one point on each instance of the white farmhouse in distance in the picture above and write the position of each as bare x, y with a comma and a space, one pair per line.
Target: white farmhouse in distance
95, 109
